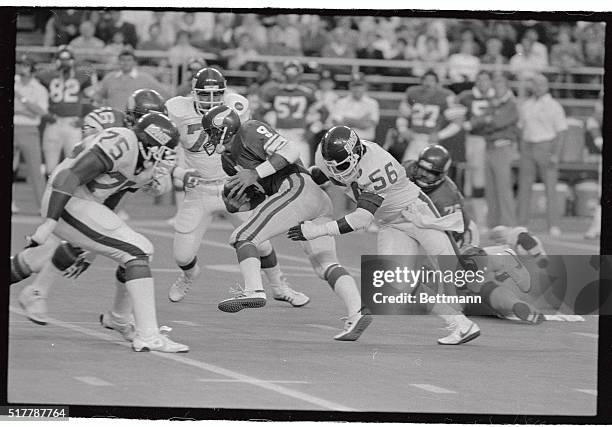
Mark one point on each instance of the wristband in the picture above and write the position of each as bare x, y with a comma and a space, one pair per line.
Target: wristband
332, 228
265, 169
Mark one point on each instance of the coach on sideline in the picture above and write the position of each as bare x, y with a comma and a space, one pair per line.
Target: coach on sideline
31, 103
543, 125
116, 87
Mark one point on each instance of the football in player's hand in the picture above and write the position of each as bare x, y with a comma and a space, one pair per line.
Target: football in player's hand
249, 199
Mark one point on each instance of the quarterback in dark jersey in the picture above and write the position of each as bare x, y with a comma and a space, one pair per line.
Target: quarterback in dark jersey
268, 178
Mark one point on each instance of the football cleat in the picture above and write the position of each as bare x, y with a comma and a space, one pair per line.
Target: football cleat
34, 305
525, 313
243, 299
158, 342
179, 289
126, 327
354, 326
461, 333
283, 292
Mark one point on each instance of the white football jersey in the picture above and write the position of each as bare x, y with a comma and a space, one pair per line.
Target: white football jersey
120, 145
379, 173
182, 111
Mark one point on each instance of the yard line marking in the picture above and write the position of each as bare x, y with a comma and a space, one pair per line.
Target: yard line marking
433, 388
29, 322
305, 397
586, 334
324, 327
93, 381
210, 380
587, 391
184, 322
302, 260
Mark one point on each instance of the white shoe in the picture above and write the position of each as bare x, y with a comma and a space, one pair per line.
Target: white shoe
555, 232
181, 286
158, 342
243, 299
354, 326
34, 305
462, 333
283, 292
126, 327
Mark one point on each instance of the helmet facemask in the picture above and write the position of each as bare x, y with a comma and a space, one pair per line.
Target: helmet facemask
213, 137
426, 177
158, 156
207, 98
346, 170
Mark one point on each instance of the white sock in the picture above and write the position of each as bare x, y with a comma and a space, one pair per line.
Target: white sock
142, 293
346, 288
274, 275
122, 305
251, 272
193, 272
45, 279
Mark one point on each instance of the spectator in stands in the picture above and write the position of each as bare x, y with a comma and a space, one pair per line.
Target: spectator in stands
493, 55
501, 135
30, 104
527, 62
290, 34
87, 41
321, 111
277, 45
338, 47
594, 125
463, 67
193, 66
351, 36
111, 23
543, 125
115, 46
116, 87
183, 49
507, 35
370, 51
241, 57
565, 55
63, 26
358, 110
252, 27
223, 36
432, 57
433, 38
314, 36
154, 41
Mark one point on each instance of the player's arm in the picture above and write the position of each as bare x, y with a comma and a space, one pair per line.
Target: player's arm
454, 115
359, 219
503, 116
91, 164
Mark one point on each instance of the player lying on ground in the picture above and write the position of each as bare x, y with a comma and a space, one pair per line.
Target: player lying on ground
196, 212
506, 272
269, 180
406, 218
69, 259
108, 165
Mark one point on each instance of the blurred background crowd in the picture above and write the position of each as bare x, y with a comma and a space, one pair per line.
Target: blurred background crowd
348, 60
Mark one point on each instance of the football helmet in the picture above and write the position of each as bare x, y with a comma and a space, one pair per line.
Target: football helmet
157, 139
432, 166
141, 102
64, 58
342, 149
219, 125
207, 89
101, 118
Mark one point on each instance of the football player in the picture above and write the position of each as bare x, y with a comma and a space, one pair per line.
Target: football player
71, 260
286, 106
107, 166
428, 115
430, 173
67, 86
196, 212
405, 216
268, 178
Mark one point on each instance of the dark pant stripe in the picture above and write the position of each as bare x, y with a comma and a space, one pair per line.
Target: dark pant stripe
274, 210
101, 238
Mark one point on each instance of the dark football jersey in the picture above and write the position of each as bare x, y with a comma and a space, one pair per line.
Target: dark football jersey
291, 104
427, 108
66, 91
476, 104
247, 149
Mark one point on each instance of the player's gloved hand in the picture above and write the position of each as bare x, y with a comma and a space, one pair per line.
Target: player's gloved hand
42, 233
307, 231
191, 179
77, 268
241, 181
